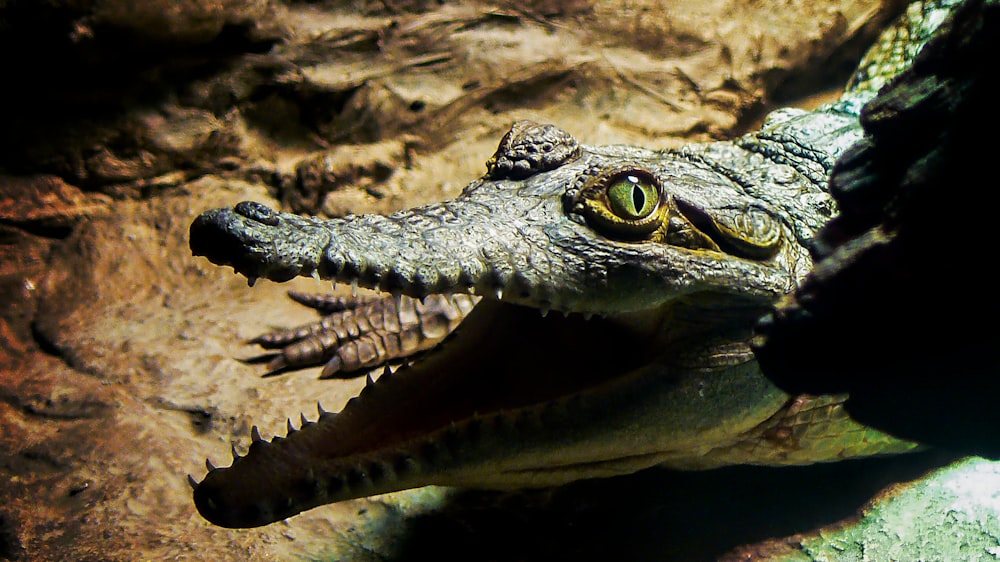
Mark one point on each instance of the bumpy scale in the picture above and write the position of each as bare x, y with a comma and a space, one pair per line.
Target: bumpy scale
658, 264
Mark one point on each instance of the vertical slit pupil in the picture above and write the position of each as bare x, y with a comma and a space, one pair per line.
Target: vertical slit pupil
638, 198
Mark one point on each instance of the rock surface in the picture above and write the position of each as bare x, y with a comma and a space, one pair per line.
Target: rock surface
120, 354
900, 302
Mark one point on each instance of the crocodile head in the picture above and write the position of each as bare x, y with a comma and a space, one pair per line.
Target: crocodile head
619, 285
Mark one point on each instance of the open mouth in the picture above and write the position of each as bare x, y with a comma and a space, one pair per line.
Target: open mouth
506, 364
503, 357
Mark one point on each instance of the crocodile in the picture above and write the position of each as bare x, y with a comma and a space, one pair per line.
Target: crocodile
593, 308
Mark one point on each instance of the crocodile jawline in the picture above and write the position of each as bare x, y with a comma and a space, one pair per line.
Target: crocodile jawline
507, 368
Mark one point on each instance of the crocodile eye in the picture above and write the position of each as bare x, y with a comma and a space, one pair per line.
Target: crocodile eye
631, 197
623, 203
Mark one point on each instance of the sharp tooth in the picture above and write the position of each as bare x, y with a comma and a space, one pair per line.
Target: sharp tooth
251, 281
209, 465
354, 288
315, 275
499, 293
319, 408
368, 380
255, 434
290, 427
303, 419
385, 372
192, 482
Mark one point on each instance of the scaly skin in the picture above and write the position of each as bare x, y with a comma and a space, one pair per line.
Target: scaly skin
657, 265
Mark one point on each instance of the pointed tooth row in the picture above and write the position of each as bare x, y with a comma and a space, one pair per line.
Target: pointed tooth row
256, 440
368, 473
450, 444
419, 284
255, 436
446, 286
477, 278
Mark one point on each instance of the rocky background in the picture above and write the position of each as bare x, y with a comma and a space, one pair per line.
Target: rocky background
120, 354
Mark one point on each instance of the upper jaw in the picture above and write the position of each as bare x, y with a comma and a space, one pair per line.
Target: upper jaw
522, 247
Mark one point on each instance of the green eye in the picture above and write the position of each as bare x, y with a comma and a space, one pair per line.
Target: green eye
632, 197
625, 203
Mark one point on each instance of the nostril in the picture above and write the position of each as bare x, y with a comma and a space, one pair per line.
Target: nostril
257, 212
223, 236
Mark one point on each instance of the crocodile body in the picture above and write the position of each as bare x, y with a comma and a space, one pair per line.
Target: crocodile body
619, 289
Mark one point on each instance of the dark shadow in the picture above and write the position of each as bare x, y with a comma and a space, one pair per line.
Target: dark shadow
264, 359
656, 514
